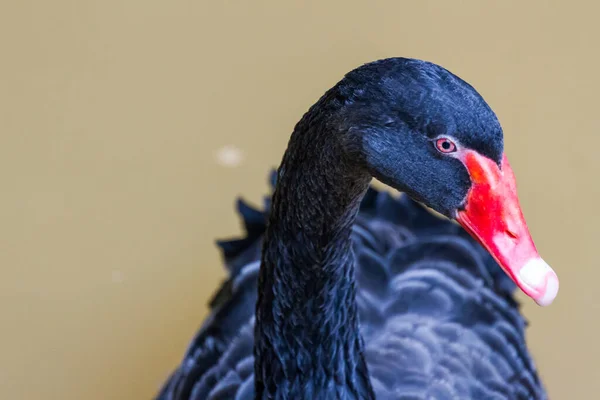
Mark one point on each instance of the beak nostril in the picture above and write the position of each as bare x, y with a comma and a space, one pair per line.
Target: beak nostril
512, 234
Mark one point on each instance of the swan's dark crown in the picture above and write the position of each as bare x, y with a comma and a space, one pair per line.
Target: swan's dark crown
425, 98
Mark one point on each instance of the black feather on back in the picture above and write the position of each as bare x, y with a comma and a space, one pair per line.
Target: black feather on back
437, 313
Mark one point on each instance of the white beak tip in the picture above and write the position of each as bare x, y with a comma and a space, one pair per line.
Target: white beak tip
540, 281
551, 291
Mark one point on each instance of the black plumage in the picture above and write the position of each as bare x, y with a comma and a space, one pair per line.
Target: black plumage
341, 291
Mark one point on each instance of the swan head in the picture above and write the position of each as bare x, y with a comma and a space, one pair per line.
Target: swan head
424, 131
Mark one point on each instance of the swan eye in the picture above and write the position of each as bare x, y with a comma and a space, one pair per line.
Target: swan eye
445, 145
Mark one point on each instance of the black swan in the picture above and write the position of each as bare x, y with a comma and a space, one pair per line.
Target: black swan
340, 291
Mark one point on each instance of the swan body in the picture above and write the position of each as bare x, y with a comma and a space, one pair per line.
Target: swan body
437, 313
339, 291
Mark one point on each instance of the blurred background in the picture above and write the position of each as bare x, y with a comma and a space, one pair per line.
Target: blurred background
127, 129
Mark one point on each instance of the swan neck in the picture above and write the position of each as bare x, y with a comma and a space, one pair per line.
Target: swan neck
307, 323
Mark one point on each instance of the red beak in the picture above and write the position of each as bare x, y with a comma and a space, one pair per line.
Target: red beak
493, 216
